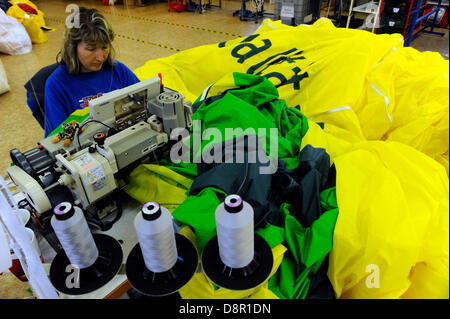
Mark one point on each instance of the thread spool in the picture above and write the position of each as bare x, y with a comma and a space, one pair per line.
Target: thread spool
87, 261
162, 261
154, 228
237, 258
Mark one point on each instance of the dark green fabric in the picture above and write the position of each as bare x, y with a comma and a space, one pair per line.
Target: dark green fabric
307, 249
243, 179
320, 286
301, 187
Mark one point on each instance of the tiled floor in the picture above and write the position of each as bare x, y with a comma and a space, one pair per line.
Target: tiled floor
144, 33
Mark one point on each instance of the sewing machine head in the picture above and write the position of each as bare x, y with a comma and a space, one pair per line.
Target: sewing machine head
124, 127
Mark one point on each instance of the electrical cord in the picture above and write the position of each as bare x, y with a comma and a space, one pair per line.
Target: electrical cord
22, 204
79, 127
240, 190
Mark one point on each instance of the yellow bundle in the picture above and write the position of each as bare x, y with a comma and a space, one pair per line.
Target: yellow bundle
367, 84
386, 128
33, 23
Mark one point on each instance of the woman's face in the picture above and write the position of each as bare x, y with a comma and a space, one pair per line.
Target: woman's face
92, 55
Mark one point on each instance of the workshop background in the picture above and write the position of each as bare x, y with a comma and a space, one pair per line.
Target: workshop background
144, 32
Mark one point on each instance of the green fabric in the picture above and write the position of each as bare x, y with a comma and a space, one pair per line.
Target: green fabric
252, 102
274, 235
197, 211
328, 198
307, 249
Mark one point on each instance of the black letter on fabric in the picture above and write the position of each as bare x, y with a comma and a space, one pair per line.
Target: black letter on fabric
247, 39
295, 79
253, 49
277, 75
253, 68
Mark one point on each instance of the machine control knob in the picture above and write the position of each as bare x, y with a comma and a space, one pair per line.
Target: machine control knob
99, 138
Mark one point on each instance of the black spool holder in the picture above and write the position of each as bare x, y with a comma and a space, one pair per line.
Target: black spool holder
91, 278
159, 284
248, 277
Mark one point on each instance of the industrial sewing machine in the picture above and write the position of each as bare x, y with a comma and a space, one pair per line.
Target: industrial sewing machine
125, 128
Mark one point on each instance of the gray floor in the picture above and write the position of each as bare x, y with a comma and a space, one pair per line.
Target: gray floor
432, 42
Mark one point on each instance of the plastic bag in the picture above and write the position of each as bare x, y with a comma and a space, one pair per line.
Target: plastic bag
33, 23
4, 86
14, 38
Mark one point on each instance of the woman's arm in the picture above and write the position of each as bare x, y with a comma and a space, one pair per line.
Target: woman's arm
55, 106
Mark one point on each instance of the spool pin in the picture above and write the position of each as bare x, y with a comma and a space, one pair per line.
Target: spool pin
98, 272
172, 267
223, 268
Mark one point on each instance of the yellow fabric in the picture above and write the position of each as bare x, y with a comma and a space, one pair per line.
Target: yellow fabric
393, 213
365, 83
333, 139
33, 23
165, 186
199, 287
385, 109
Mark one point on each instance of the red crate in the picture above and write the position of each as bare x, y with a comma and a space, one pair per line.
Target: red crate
177, 6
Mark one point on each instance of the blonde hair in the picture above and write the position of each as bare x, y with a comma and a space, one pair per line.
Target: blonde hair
93, 28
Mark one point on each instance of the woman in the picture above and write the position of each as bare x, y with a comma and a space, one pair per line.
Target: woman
88, 69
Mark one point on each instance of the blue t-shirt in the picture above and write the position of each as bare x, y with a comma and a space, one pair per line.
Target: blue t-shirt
65, 93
